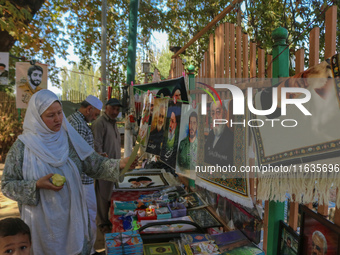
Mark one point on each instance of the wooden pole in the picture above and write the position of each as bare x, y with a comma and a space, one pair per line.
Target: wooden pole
226, 48
211, 57
238, 52
210, 25
314, 46
330, 34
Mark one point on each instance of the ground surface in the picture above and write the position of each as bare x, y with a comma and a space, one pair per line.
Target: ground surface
8, 207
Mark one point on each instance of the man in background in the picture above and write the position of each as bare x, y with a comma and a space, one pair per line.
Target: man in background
89, 111
106, 140
187, 151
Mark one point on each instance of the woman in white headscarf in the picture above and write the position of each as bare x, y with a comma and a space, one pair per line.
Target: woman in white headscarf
57, 216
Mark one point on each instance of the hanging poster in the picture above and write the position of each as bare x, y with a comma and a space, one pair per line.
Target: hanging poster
29, 79
188, 139
305, 140
4, 61
169, 88
171, 134
219, 144
144, 124
221, 153
157, 126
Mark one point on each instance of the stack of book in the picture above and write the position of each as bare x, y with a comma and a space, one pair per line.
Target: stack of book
236, 243
125, 243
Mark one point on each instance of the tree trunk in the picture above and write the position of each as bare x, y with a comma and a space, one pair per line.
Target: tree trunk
7, 41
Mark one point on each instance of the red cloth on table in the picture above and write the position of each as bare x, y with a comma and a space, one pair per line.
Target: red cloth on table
117, 225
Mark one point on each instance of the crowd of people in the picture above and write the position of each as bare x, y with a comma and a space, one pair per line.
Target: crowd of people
63, 219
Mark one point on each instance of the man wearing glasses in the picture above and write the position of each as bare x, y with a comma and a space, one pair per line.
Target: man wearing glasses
219, 144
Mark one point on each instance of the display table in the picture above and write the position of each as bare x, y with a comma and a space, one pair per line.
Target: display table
117, 225
195, 239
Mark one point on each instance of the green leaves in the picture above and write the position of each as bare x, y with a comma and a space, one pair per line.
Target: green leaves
13, 18
49, 33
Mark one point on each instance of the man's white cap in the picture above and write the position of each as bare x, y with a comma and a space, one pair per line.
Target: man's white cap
95, 102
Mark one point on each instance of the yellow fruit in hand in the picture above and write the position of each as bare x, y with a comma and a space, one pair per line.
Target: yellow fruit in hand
58, 180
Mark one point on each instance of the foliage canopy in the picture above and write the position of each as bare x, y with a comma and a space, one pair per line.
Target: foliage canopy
44, 30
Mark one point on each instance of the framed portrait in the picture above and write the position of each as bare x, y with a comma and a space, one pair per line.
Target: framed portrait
140, 181
194, 200
319, 235
288, 240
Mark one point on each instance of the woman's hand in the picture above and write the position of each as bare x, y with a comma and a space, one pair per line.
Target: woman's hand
123, 162
45, 183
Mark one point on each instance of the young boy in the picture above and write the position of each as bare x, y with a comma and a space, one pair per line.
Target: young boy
15, 237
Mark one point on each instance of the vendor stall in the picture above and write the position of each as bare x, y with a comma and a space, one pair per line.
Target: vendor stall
248, 175
163, 218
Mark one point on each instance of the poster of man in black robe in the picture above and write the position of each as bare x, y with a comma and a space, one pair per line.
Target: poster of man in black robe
171, 134
157, 126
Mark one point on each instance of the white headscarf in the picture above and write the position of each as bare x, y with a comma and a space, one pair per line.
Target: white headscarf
59, 222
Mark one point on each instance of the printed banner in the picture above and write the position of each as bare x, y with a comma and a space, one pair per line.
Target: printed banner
222, 150
298, 144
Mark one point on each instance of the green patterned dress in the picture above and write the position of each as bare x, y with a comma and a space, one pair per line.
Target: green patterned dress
24, 192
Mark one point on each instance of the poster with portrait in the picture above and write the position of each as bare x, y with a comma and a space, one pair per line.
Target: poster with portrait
169, 88
171, 134
188, 139
144, 123
222, 151
288, 240
219, 143
319, 236
140, 181
29, 79
158, 118
4, 69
